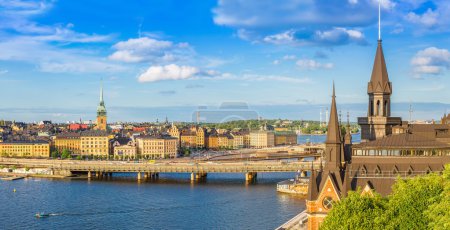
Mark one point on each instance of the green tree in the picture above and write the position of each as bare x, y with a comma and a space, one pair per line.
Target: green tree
55, 154
439, 212
65, 154
356, 211
409, 200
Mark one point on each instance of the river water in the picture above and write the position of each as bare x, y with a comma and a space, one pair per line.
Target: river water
223, 201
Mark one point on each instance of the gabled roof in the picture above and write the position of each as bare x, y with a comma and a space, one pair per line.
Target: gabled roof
379, 82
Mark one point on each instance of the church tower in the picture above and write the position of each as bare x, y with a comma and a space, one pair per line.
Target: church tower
330, 184
101, 113
378, 122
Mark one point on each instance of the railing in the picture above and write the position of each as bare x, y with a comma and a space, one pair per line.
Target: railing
239, 167
298, 222
389, 174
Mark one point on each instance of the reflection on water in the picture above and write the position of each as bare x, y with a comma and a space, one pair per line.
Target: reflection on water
223, 201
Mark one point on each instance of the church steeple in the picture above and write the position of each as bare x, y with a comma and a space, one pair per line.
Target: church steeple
334, 131
101, 112
379, 82
333, 144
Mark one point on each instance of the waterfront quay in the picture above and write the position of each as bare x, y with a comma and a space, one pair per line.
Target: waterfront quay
145, 170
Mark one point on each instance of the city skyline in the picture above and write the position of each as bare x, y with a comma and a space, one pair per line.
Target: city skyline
177, 54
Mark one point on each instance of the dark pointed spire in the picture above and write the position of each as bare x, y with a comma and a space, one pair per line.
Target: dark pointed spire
312, 186
334, 132
379, 82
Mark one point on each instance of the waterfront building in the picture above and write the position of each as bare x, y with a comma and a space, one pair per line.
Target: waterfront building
68, 140
25, 148
238, 140
285, 137
213, 140
246, 138
94, 143
262, 139
188, 138
101, 113
223, 141
128, 149
157, 147
201, 134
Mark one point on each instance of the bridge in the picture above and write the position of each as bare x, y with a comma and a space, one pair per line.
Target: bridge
144, 170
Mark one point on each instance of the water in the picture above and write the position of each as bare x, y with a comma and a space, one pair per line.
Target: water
302, 139
222, 202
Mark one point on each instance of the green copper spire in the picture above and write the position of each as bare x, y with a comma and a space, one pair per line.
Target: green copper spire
101, 109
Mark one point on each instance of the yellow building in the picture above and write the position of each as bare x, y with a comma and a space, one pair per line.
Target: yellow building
94, 143
246, 137
201, 134
213, 141
69, 141
101, 113
262, 139
238, 140
285, 138
188, 139
25, 149
174, 131
223, 141
157, 147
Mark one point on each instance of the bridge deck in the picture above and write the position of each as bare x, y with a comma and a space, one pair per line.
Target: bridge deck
179, 167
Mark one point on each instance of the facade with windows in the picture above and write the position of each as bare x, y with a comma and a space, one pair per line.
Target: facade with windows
25, 149
157, 147
94, 143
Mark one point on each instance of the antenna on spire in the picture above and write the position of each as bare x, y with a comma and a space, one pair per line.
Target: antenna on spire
379, 20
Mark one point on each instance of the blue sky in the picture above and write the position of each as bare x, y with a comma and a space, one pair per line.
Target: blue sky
188, 53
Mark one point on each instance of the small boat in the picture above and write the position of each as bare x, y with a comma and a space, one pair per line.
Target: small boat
42, 215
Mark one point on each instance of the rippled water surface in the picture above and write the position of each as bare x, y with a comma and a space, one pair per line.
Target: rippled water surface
224, 201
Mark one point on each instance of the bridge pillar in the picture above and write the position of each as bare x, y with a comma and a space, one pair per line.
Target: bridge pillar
146, 175
139, 176
97, 174
89, 174
193, 176
250, 176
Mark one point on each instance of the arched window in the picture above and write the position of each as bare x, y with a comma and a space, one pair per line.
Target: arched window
378, 108
386, 105
371, 108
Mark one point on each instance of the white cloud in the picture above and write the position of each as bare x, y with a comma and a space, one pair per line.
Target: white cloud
147, 49
286, 37
429, 18
431, 61
335, 36
168, 72
3, 71
48, 58
276, 62
289, 57
310, 64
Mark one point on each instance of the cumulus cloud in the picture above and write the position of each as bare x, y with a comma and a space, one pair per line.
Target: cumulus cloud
147, 49
168, 72
311, 64
431, 60
334, 36
294, 13
428, 19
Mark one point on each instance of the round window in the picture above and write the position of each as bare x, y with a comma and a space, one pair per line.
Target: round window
327, 202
